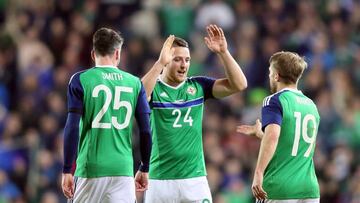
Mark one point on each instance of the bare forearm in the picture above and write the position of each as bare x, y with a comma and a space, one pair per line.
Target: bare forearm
149, 80
233, 71
267, 150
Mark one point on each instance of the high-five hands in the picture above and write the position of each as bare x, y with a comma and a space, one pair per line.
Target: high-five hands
215, 40
167, 52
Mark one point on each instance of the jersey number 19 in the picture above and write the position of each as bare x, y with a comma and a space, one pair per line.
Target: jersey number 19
301, 127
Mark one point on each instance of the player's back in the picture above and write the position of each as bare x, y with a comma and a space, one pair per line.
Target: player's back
291, 173
109, 101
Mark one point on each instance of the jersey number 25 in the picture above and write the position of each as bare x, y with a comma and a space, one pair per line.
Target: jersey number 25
117, 105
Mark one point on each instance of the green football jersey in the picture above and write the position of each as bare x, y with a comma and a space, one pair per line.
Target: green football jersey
291, 172
106, 97
176, 122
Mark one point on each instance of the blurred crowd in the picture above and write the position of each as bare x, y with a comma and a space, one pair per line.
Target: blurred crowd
43, 42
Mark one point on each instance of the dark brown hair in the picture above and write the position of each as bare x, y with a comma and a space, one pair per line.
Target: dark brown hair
289, 66
179, 42
106, 40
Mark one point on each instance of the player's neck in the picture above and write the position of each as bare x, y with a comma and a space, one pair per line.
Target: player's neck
105, 61
282, 86
168, 81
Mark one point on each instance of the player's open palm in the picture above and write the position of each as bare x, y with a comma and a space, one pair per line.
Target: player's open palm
141, 181
167, 52
251, 130
215, 40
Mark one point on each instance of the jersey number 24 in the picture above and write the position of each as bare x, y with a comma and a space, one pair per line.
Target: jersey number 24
187, 118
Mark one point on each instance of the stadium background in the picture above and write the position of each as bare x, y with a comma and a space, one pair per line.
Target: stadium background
43, 42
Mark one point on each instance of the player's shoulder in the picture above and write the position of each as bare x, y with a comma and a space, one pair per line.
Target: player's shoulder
124, 76
76, 76
286, 95
113, 69
295, 96
194, 78
199, 79
130, 75
203, 81
272, 99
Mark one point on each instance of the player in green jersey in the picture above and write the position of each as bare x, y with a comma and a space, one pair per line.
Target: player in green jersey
285, 171
102, 102
177, 172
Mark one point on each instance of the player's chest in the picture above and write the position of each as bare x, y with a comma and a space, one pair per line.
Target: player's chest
178, 107
187, 93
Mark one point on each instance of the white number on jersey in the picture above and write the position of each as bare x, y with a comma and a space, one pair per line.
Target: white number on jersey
187, 118
303, 124
117, 105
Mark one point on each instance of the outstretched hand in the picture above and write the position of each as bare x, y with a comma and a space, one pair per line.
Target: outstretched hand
215, 40
167, 52
251, 130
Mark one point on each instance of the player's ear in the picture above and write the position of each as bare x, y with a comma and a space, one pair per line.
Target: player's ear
276, 77
117, 54
93, 55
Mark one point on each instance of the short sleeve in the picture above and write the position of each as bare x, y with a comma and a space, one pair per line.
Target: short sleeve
207, 84
75, 94
271, 112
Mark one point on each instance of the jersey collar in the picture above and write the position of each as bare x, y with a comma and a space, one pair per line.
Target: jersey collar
105, 66
291, 89
167, 85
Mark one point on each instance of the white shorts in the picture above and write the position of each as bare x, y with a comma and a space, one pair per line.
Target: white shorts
120, 189
315, 200
194, 190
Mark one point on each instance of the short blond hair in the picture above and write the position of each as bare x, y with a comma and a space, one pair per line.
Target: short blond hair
289, 65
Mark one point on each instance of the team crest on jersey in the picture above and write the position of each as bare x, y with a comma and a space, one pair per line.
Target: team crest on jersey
191, 90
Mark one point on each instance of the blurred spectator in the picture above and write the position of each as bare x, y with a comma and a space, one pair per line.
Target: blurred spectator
320, 54
49, 197
215, 12
145, 24
177, 18
8, 190
8, 72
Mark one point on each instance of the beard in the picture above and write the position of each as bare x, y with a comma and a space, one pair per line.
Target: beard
273, 88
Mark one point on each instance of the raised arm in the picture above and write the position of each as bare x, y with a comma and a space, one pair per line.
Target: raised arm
166, 55
235, 80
